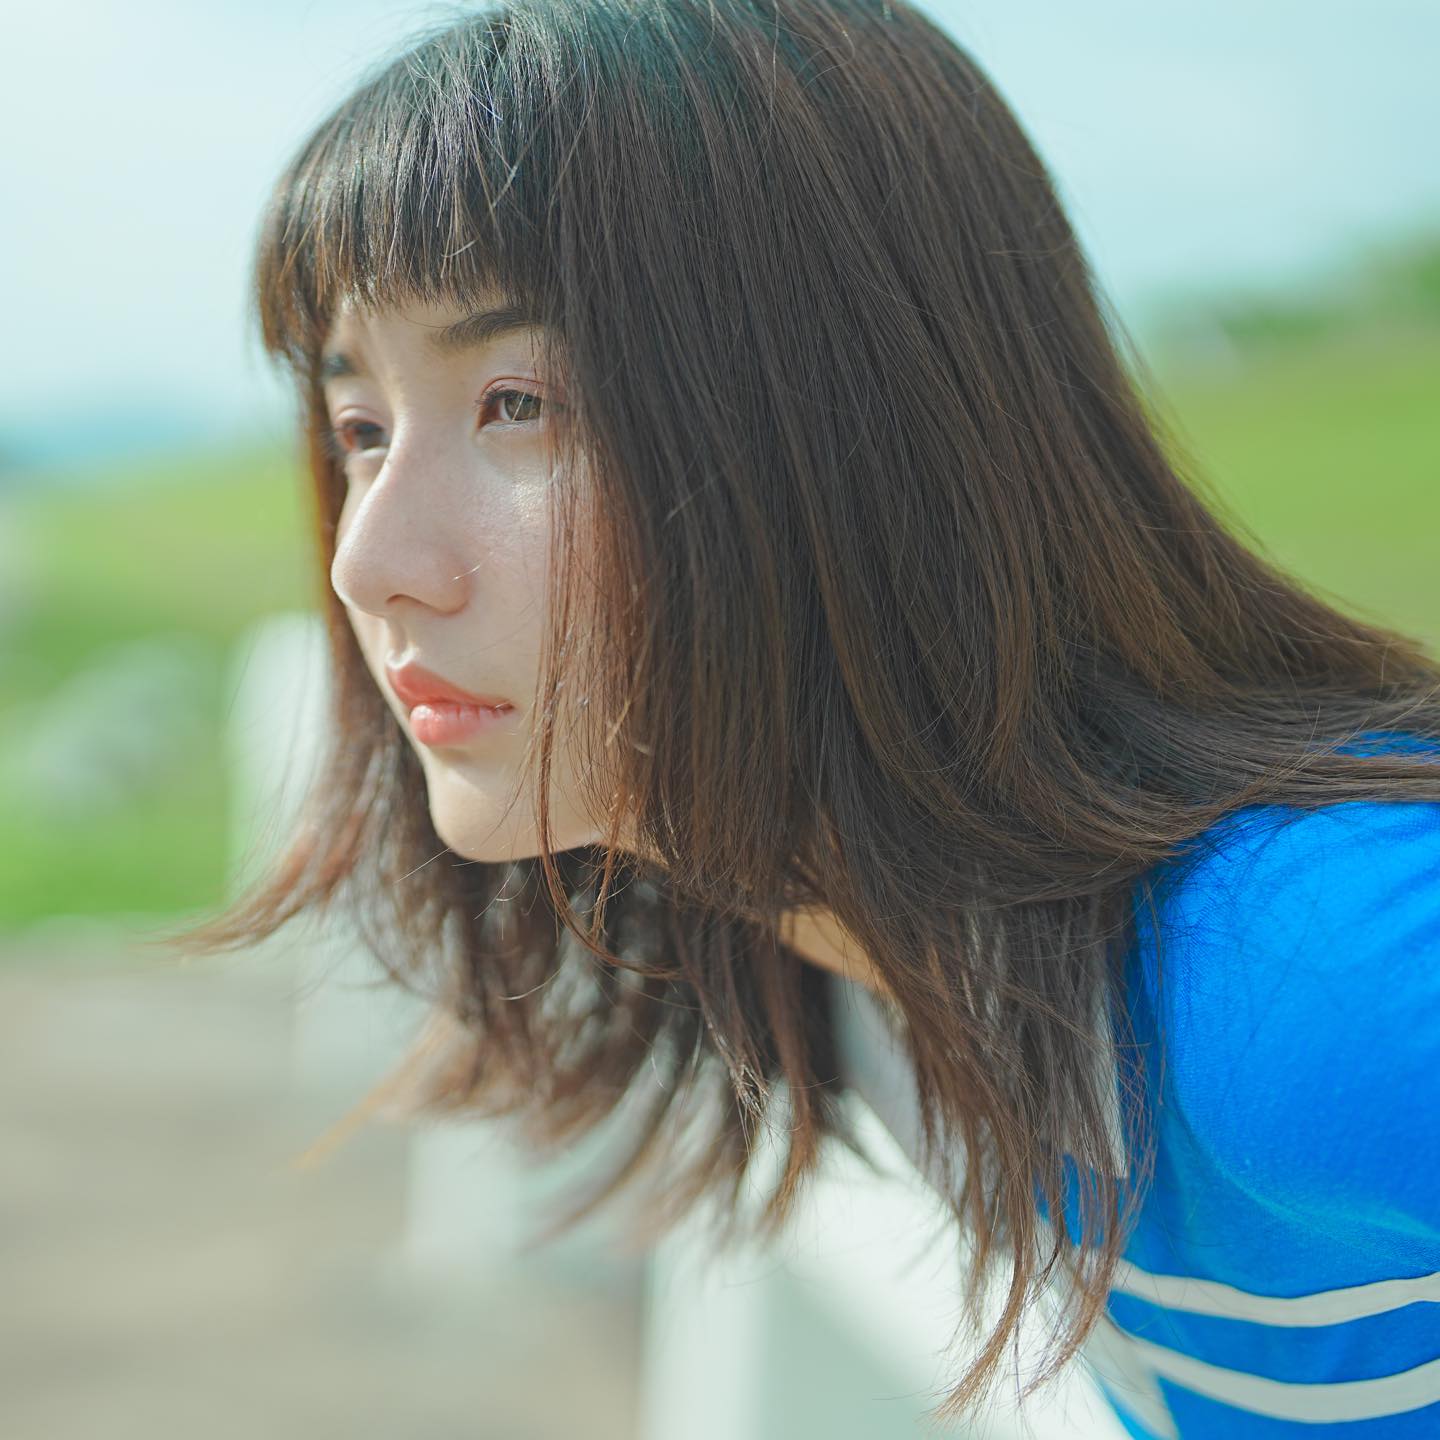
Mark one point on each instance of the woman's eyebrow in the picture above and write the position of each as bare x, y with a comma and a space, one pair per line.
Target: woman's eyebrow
470, 332
480, 328
335, 363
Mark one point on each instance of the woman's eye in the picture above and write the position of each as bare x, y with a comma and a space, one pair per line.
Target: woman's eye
513, 407
352, 437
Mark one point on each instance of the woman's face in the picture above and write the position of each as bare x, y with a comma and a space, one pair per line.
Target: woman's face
441, 549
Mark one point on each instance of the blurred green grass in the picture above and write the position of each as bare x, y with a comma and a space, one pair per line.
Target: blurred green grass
1330, 454
1327, 449
201, 546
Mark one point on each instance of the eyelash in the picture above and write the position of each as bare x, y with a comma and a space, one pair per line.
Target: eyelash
334, 434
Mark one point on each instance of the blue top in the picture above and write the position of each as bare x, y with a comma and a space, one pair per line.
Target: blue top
1284, 1273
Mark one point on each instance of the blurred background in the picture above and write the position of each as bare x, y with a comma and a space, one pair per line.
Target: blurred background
1255, 189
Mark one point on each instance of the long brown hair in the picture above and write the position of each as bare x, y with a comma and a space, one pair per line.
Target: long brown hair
877, 572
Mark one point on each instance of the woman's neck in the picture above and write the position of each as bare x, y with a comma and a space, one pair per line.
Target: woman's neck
817, 936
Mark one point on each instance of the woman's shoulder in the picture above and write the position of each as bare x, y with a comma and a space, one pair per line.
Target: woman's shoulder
1265, 862
1299, 992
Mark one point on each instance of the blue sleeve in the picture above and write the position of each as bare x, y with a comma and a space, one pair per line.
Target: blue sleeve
1306, 1033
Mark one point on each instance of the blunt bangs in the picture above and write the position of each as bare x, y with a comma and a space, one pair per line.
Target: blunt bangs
424, 184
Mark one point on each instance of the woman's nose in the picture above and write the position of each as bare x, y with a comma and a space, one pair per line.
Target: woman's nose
399, 539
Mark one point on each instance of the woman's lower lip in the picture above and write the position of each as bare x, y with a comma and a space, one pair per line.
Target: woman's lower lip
442, 723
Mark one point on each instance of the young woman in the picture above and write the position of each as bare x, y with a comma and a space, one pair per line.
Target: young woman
755, 577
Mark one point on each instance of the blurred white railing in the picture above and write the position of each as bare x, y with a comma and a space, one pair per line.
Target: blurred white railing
839, 1332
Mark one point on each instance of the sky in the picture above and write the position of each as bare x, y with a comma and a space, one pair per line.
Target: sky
1239, 142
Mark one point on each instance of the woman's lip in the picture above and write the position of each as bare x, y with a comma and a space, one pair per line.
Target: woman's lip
414, 685
435, 702
446, 723
443, 702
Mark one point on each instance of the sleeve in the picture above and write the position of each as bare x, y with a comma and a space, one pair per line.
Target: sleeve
1306, 1032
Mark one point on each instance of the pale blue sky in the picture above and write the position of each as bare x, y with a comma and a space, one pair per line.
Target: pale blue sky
1251, 141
